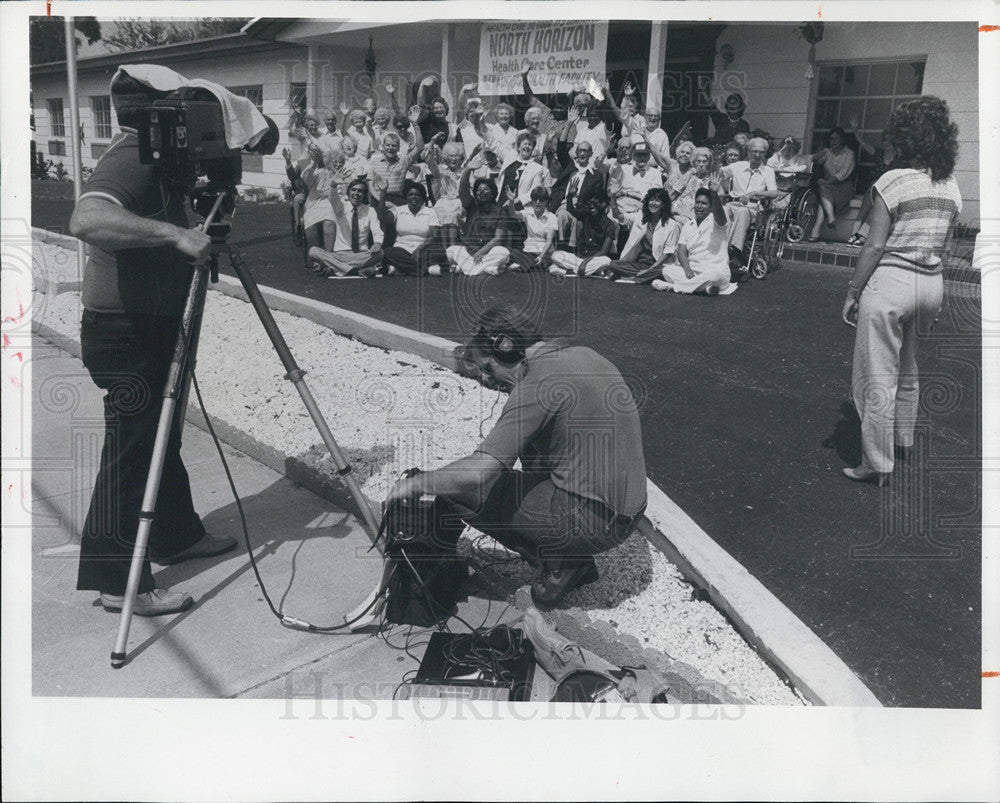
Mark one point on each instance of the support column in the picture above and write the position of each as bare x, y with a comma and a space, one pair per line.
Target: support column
314, 81
657, 58
447, 33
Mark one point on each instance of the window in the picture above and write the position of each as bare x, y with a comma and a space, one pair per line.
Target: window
56, 121
57, 147
297, 97
253, 92
100, 108
868, 91
252, 162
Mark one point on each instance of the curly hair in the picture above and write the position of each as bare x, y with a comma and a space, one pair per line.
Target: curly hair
665, 208
924, 137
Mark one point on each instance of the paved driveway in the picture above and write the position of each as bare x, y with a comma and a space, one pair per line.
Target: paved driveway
747, 423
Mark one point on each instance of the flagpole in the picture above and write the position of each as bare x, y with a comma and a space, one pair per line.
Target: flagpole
74, 118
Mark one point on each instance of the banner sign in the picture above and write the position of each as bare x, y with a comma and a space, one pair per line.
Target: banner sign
563, 55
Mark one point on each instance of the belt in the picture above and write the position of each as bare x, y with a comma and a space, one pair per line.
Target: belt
621, 521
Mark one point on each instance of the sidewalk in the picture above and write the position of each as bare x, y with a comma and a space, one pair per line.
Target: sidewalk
313, 559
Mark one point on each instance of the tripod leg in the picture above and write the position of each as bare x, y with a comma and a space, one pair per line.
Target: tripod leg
295, 375
171, 393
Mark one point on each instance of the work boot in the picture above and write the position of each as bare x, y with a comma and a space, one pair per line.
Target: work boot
562, 576
158, 602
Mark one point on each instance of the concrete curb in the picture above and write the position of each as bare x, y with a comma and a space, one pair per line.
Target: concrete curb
370, 331
783, 639
760, 617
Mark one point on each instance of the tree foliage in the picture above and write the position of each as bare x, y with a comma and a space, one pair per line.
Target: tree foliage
133, 33
47, 37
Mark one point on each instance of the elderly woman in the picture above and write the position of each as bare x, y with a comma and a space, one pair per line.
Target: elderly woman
677, 178
700, 175
417, 227
652, 241
787, 164
897, 287
317, 215
836, 186
355, 165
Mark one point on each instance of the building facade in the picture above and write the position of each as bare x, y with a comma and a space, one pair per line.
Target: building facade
859, 70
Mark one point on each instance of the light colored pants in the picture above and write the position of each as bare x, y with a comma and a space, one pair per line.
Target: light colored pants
568, 226
571, 263
461, 260
895, 306
736, 229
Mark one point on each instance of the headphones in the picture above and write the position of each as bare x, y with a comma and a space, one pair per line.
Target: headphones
503, 345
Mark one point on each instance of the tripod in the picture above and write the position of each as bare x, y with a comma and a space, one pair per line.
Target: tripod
175, 393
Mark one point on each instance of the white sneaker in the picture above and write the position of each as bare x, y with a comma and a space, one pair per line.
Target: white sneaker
433, 270
659, 284
557, 271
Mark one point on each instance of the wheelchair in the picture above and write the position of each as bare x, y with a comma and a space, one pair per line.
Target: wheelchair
765, 240
802, 209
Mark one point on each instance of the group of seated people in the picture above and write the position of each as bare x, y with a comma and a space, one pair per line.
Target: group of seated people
420, 193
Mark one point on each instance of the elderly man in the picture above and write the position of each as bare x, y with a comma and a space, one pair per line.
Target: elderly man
579, 178
330, 138
389, 168
572, 422
751, 181
629, 183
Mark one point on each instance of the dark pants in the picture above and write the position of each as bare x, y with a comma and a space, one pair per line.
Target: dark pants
129, 357
415, 264
524, 262
640, 272
526, 512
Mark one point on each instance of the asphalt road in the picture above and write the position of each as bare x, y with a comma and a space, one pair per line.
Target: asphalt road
747, 421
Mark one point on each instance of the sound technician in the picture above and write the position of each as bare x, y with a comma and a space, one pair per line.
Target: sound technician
134, 287
573, 423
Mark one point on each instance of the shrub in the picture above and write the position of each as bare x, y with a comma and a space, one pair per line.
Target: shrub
259, 195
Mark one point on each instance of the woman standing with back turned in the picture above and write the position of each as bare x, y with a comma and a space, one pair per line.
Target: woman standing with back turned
897, 287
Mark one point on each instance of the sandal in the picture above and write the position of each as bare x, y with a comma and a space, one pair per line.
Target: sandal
856, 240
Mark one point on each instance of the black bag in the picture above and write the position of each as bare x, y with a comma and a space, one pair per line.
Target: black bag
427, 572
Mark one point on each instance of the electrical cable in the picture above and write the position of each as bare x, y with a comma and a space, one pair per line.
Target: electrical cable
287, 621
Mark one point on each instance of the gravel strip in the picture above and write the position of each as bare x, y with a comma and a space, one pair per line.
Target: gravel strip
389, 411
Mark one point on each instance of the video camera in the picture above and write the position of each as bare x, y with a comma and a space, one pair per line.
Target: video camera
184, 136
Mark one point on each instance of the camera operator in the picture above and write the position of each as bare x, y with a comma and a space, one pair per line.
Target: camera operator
135, 284
574, 425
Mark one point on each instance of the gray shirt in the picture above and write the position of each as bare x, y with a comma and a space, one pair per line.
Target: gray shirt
573, 416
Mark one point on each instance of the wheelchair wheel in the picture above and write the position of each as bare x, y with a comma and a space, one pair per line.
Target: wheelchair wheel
807, 211
774, 239
795, 233
759, 267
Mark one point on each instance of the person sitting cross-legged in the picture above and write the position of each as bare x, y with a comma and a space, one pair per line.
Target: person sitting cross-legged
481, 248
352, 255
702, 264
652, 241
594, 243
417, 226
540, 225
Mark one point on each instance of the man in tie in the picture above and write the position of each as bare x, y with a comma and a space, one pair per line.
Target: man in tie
357, 226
